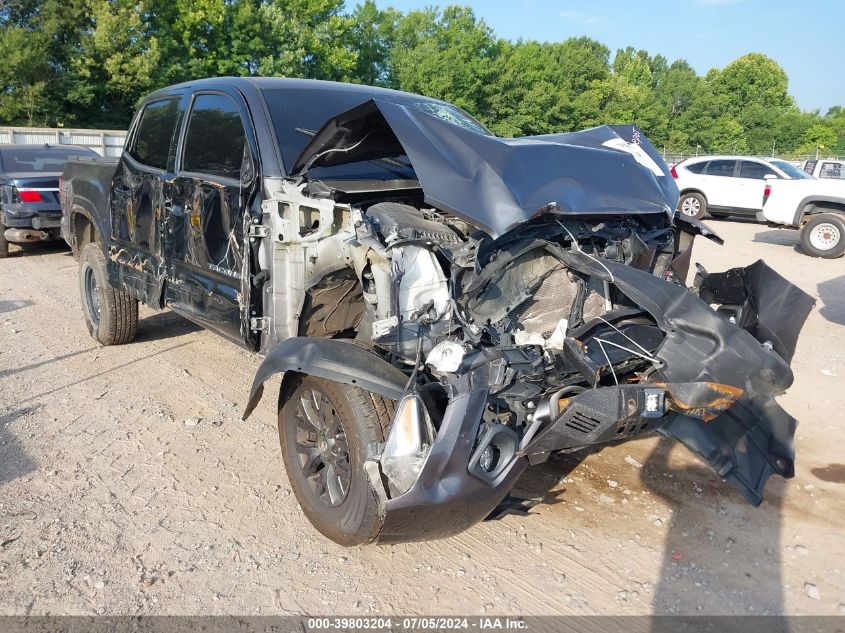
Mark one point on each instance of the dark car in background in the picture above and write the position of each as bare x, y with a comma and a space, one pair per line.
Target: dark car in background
29, 191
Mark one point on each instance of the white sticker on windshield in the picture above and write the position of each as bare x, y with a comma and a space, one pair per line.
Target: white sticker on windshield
637, 152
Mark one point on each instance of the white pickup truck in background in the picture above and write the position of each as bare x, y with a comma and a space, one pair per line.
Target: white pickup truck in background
814, 206
826, 168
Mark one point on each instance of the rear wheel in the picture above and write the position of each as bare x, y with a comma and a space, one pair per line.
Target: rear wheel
111, 315
4, 244
824, 236
324, 430
693, 205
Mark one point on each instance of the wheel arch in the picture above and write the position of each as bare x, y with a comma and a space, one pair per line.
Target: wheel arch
813, 205
340, 360
689, 190
83, 229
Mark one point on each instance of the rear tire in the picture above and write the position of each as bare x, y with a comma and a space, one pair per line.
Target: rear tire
4, 244
324, 430
824, 236
111, 315
692, 205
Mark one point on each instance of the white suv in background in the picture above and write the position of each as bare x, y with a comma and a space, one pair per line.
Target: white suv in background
728, 185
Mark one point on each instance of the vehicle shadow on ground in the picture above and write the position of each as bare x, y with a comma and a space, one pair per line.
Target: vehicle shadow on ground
163, 325
61, 387
832, 293
38, 248
14, 462
55, 359
711, 528
11, 306
537, 485
778, 237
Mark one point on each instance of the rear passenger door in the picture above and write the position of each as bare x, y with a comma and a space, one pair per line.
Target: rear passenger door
752, 183
136, 201
215, 186
720, 184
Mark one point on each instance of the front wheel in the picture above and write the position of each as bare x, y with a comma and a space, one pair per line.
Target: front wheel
110, 314
824, 236
693, 205
324, 430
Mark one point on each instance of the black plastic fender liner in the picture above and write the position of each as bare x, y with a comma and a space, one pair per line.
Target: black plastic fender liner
339, 360
754, 438
745, 445
773, 309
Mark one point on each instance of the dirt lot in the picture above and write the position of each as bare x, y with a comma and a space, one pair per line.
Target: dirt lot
129, 485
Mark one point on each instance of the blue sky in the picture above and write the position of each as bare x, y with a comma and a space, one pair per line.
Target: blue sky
804, 36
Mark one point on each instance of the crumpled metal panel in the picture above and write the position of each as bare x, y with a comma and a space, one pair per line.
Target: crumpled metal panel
498, 183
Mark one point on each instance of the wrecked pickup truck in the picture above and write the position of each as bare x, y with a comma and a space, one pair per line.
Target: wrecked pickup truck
445, 307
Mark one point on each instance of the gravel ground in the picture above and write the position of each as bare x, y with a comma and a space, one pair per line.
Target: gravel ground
129, 485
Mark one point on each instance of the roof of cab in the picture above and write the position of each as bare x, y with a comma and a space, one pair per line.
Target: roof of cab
246, 84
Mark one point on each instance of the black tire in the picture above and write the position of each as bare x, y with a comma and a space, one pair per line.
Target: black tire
692, 205
110, 314
4, 244
824, 236
347, 417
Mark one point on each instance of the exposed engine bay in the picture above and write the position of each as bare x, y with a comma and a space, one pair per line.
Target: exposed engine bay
505, 342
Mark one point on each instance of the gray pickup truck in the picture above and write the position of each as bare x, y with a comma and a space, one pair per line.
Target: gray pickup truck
445, 306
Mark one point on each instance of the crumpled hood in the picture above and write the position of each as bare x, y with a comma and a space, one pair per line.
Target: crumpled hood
498, 183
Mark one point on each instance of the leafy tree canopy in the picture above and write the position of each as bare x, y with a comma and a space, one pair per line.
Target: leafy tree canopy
88, 62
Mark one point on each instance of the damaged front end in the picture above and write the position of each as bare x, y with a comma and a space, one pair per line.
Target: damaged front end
504, 340
549, 346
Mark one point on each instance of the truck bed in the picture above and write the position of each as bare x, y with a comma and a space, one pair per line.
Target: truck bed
85, 184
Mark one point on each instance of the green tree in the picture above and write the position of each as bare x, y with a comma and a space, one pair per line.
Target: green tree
751, 80
727, 136
448, 54
537, 85
38, 41
821, 136
114, 65
88, 62
372, 36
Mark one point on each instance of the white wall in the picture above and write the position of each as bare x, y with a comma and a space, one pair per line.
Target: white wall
104, 142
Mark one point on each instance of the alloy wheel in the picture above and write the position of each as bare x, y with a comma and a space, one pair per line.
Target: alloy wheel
691, 206
322, 447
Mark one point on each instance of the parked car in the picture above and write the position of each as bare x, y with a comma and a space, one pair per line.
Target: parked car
815, 207
445, 306
727, 185
29, 191
826, 168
